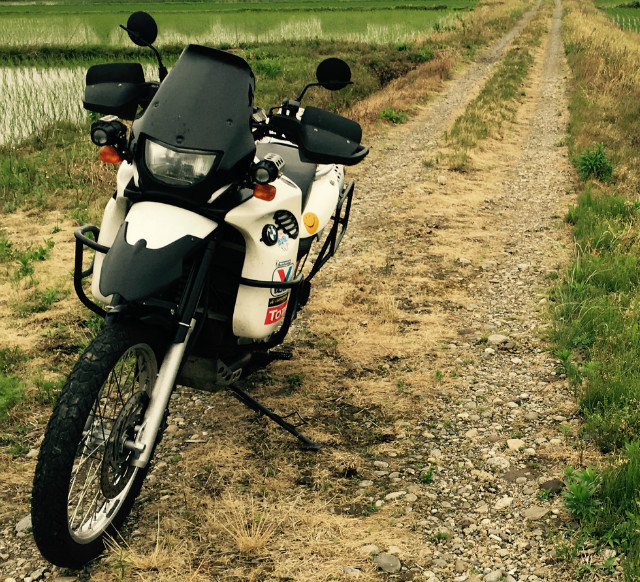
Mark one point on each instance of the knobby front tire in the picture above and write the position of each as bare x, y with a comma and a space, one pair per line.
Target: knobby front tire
84, 486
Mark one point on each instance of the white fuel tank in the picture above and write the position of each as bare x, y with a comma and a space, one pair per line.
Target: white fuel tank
271, 231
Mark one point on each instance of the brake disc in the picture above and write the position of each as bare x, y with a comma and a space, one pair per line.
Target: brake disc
117, 469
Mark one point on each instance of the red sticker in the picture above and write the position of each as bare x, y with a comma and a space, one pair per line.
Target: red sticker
277, 308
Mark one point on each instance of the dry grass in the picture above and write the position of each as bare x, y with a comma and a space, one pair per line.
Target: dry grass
250, 526
494, 110
406, 93
606, 61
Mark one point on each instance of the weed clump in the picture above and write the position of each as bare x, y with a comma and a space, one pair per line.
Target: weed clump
593, 163
393, 115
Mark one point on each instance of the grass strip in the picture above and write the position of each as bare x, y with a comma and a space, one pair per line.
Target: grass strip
498, 101
596, 305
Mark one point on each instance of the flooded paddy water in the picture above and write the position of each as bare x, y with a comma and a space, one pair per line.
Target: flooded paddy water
32, 97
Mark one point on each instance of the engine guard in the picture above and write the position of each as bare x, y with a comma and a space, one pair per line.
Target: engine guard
79, 274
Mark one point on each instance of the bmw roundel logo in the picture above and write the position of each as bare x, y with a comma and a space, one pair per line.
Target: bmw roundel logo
270, 235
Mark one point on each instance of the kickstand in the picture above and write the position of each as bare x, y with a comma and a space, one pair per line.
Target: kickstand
253, 404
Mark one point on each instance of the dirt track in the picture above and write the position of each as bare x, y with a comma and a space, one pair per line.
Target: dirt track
421, 366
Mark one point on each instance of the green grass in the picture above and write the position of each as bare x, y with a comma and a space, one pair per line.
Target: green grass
11, 393
596, 302
605, 503
281, 69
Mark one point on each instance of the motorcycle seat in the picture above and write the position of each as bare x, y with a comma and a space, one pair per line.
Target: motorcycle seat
302, 173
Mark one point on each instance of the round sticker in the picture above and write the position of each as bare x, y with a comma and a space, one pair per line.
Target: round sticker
311, 222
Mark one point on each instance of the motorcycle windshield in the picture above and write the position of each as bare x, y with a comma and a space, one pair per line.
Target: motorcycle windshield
205, 104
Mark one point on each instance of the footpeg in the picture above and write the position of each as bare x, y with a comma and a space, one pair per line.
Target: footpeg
281, 355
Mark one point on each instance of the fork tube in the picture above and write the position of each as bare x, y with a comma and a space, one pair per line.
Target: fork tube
143, 445
159, 400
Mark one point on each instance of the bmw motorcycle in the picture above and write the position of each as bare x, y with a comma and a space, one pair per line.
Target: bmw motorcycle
222, 215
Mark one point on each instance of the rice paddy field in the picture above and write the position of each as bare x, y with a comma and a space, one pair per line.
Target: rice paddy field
625, 14
46, 47
228, 23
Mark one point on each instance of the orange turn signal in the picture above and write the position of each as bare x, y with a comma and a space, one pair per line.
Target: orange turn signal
265, 192
109, 155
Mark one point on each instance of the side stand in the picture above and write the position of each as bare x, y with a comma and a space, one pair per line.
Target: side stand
253, 404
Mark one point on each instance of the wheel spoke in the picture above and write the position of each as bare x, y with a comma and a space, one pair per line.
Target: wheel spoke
87, 484
89, 510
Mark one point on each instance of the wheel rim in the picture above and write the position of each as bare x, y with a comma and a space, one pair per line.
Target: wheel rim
96, 492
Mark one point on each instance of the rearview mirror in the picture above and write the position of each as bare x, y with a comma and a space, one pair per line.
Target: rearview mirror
142, 28
333, 74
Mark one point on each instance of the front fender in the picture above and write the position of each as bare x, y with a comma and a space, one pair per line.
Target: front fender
149, 249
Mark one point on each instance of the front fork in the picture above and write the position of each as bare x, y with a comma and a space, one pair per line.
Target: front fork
162, 389
147, 433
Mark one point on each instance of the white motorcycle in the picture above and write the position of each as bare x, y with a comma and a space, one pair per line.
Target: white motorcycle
198, 268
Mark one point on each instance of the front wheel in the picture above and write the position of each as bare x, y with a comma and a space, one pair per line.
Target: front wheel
84, 484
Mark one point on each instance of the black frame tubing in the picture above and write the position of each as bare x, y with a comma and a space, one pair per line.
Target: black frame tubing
334, 238
78, 273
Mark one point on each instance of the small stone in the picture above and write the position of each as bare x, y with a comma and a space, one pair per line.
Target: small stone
497, 339
471, 433
460, 566
464, 261
387, 563
503, 503
482, 508
351, 571
395, 550
24, 525
442, 180
515, 444
33, 453
394, 495
366, 483
498, 462
493, 577
370, 549
37, 574
381, 464
535, 512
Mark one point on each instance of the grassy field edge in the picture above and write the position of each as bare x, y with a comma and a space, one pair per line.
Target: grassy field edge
596, 303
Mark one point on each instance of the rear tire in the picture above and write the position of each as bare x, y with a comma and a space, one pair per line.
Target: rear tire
84, 485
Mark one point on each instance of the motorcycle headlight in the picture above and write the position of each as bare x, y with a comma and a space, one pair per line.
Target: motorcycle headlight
177, 167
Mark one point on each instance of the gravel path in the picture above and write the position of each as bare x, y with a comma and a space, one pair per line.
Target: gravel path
473, 469
498, 435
